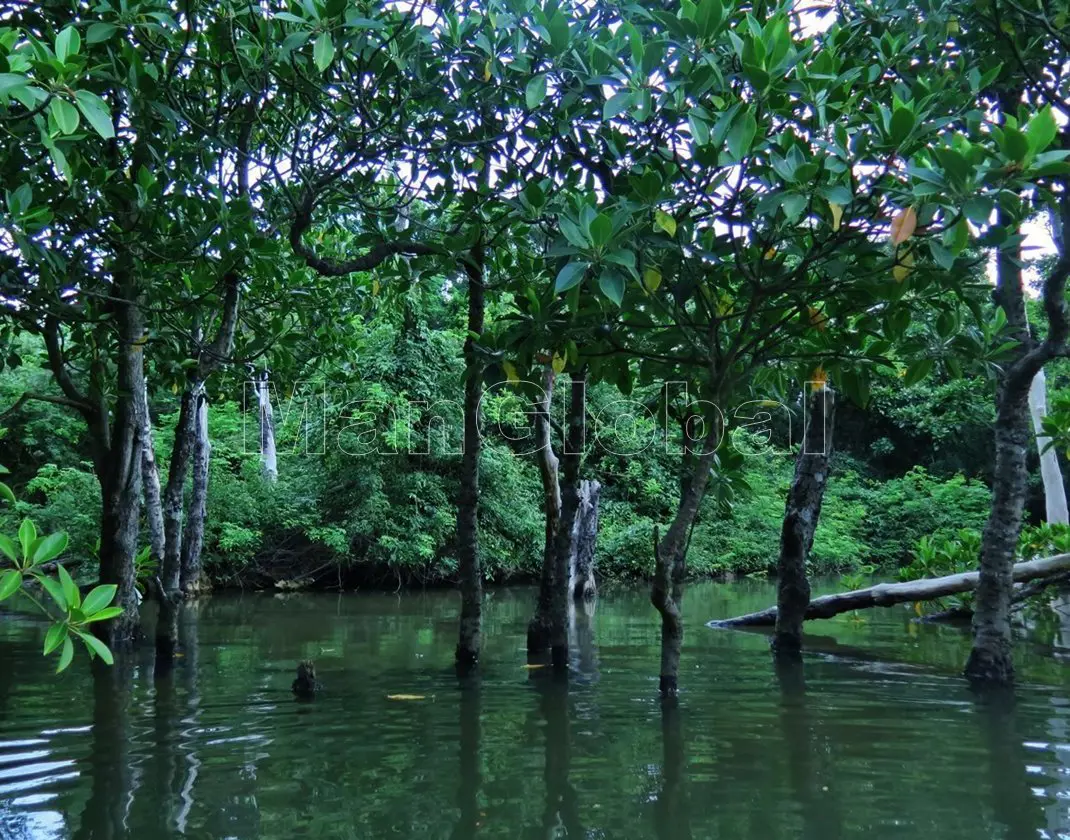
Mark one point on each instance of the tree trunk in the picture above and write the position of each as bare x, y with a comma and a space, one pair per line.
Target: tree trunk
1050, 473
173, 495
468, 645
193, 538
150, 485
269, 463
889, 594
670, 563
801, 514
563, 540
539, 626
583, 548
121, 480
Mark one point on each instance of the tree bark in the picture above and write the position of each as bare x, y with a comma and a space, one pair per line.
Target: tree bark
174, 491
566, 527
120, 480
1050, 473
269, 463
150, 485
539, 626
193, 538
889, 594
468, 645
582, 583
801, 514
670, 563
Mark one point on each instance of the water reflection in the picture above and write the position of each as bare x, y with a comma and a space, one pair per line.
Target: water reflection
874, 736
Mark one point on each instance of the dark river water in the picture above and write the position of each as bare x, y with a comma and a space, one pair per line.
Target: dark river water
875, 736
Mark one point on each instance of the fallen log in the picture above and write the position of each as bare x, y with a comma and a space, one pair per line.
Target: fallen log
889, 594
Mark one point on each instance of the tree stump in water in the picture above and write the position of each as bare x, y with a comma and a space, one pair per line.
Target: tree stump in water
306, 685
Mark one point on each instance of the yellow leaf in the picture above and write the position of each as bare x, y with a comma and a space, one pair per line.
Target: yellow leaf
174, 387
558, 363
664, 221
818, 318
904, 265
770, 254
375, 287
406, 697
953, 25
486, 70
903, 225
837, 214
533, 667
651, 279
818, 378
724, 304
510, 372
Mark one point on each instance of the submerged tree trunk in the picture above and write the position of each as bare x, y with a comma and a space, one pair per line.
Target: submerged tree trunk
120, 480
150, 485
468, 645
193, 538
564, 538
671, 563
582, 581
889, 594
269, 463
801, 513
990, 659
1050, 473
539, 626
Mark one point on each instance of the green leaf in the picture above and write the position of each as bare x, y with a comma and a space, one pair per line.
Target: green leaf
569, 276
50, 547
99, 598
741, 136
558, 29
8, 547
68, 42
10, 583
1014, 144
70, 588
535, 91
664, 221
99, 31
618, 102
7, 493
96, 112
323, 51
66, 656
65, 115
1041, 130
902, 125
103, 615
97, 647
12, 81
944, 258
917, 372
53, 588
601, 229
611, 283
55, 636
27, 534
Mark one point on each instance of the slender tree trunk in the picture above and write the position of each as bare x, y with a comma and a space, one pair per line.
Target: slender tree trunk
566, 527
174, 492
990, 659
269, 462
193, 538
1050, 473
121, 480
801, 514
670, 569
582, 580
468, 645
539, 626
150, 485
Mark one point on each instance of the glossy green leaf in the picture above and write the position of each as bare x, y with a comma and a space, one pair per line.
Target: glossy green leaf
54, 589
10, 583
96, 112
97, 648
601, 230
65, 656
611, 283
535, 91
618, 102
70, 589
9, 548
98, 598
323, 51
68, 42
741, 135
50, 548
569, 276
65, 115
27, 535
54, 637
